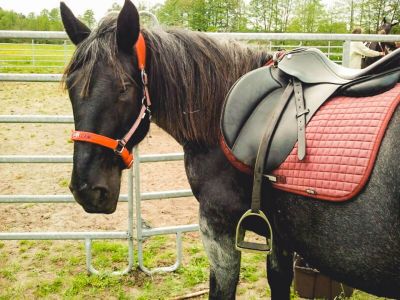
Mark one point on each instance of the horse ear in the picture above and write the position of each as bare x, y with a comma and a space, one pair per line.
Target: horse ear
128, 27
384, 21
76, 30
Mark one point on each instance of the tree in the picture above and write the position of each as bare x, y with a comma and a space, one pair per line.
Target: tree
198, 19
270, 15
115, 7
88, 18
174, 13
260, 15
310, 14
43, 20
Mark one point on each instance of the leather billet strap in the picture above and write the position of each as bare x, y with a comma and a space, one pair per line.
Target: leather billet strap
301, 118
265, 145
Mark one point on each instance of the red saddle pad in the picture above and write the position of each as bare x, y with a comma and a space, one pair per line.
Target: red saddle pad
343, 140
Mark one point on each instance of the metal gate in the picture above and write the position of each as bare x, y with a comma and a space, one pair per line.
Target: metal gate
133, 193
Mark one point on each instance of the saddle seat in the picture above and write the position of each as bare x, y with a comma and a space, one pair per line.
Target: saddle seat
305, 63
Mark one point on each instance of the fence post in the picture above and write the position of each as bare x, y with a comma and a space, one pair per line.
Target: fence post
33, 53
329, 50
346, 53
65, 53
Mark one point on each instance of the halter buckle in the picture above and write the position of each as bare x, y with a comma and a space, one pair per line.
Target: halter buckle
144, 77
119, 148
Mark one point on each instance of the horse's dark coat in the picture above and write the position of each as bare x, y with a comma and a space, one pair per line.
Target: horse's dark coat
357, 242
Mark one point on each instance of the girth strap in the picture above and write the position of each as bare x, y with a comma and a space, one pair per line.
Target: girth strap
301, 118
265, 145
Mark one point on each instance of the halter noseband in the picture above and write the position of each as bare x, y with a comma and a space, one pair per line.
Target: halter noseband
119, 145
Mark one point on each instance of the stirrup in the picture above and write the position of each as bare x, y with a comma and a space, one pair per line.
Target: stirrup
244, 246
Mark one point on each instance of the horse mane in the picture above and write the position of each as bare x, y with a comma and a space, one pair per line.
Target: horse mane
189, 75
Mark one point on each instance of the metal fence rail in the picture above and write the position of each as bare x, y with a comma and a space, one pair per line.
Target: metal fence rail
89, 236
35, 55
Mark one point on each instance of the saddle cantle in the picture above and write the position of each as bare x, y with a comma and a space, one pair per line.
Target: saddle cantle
311, 65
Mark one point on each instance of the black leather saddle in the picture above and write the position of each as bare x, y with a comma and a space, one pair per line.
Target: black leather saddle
252, 99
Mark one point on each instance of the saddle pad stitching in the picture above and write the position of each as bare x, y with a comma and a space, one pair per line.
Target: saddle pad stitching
338, 195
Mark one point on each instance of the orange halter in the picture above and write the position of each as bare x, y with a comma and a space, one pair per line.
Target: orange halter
119, 145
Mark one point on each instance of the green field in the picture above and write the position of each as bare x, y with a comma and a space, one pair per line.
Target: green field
34, 58
52, 58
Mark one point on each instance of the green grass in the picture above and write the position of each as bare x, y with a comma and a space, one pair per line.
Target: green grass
34, 58
56, 270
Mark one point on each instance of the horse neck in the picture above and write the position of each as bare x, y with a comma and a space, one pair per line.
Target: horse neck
189, 77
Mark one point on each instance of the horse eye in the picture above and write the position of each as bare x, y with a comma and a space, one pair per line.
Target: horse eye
124, 87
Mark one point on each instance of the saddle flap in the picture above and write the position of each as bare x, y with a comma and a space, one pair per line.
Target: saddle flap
244, 96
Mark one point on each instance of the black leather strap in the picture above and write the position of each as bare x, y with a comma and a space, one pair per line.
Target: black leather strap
301, 118
265, 145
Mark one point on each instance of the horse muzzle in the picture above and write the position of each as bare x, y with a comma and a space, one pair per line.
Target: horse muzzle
94, 199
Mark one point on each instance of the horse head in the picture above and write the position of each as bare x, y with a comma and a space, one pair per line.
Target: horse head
387, 26
106, 91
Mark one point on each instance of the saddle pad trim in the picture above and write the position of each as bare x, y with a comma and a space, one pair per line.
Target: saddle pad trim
242, 167
366, 174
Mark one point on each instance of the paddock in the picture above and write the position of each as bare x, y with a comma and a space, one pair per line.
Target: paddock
35, 166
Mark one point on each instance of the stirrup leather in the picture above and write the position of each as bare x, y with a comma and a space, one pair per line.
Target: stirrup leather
245, 246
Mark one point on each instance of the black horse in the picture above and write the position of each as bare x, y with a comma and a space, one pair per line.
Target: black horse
386, 47
189, 73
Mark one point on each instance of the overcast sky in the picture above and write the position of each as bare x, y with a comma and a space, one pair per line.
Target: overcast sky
99, 7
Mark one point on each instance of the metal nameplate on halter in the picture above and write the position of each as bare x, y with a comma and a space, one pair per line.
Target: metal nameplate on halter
245, 246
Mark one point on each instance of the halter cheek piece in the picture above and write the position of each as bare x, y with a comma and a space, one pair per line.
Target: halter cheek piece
119, 145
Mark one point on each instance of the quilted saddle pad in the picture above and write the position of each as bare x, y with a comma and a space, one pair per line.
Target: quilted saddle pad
343, 140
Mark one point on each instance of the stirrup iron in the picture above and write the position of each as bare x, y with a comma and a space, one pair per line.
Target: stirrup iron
245, 246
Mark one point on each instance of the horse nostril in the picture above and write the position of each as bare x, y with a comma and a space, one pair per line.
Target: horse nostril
102, 189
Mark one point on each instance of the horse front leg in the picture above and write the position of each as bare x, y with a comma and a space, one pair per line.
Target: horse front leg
280, 272
223, 257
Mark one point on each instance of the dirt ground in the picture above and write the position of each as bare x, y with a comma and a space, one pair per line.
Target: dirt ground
45, 179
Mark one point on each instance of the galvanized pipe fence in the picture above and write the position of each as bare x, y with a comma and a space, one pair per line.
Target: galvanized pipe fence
133, 192
134, 197
36, 55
